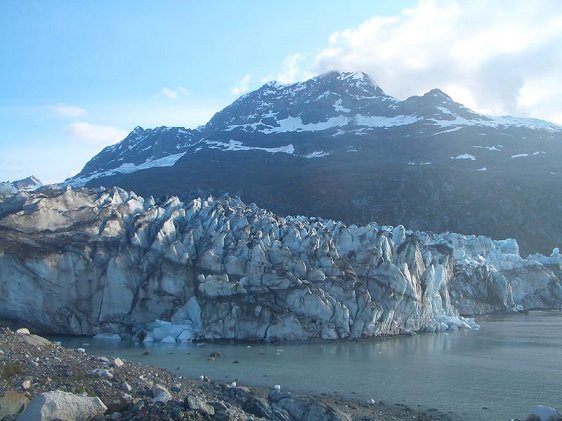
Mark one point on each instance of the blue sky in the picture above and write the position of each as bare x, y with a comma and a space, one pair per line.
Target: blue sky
77, 76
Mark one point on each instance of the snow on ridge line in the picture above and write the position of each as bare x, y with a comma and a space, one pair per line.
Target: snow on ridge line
127, 168
495, 122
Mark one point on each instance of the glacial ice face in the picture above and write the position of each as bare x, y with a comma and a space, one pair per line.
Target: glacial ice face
108, 261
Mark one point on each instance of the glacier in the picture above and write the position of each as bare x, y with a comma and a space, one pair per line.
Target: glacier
107, 261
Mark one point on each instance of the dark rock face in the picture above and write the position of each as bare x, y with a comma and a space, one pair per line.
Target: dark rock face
338, 147
89, 261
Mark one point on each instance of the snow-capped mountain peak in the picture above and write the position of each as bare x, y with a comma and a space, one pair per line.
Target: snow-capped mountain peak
304, 119
25, 184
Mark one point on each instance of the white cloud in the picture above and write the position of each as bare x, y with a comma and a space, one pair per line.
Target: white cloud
168, 93
292, 70
243, 85
174, 93
93, 134
493, 56
68, 111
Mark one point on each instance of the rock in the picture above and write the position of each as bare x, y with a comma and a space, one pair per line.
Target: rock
544, 413
118, 362
62, 405
36, 340
126, 387
104, 373
196, 404
23, 331
81, 350
12, 403
119, 403
257, 406
310, 409
160, 394
26, 385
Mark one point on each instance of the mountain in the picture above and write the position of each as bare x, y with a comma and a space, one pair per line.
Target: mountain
88, 261
337, 146
26, 184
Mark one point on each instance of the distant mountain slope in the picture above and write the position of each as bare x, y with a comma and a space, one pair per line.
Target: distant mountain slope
25, 184
337, 146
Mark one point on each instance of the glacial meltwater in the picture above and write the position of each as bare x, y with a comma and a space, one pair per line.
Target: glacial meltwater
501, 371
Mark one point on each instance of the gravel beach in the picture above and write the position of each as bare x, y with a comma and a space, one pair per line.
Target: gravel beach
41, 376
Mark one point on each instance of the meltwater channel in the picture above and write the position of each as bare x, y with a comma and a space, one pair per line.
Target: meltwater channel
501, 371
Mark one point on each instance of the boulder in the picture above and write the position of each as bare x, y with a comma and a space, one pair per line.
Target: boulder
197, 404
160, 394
12, 403
62, 405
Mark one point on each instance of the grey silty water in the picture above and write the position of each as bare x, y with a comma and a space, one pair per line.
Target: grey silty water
501, 371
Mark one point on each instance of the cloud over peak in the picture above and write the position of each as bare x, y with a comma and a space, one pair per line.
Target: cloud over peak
242, 86
95, 135
493, 56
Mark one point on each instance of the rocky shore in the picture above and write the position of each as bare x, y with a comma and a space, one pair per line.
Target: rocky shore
40, 380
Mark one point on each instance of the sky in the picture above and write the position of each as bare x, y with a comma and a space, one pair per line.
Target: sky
78, 76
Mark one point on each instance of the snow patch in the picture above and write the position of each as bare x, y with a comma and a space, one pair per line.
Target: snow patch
412, 163
380, 121
464, 156
316, 154
127, 168
490, 148
295, 124
235, 145
490, 121
454, 129
339, 107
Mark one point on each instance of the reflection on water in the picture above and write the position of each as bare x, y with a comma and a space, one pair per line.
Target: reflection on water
498, 372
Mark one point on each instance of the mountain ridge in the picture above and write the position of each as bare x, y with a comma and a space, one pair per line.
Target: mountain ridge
280, 146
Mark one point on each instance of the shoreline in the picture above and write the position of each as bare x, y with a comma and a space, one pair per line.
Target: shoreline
31, 365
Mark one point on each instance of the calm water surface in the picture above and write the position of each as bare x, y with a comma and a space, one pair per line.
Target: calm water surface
498, 372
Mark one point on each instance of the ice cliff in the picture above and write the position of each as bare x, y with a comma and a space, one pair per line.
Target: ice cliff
109, 261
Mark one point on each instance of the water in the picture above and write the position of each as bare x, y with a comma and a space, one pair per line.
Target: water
498, 372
